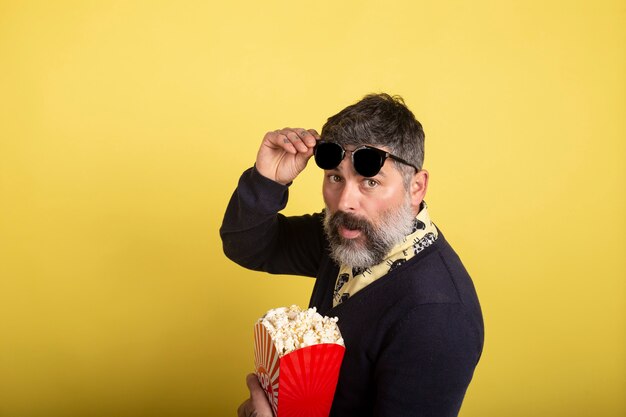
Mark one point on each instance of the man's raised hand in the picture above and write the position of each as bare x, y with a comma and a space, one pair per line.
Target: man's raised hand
284, 153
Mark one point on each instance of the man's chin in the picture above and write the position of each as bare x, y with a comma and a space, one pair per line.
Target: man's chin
356, 243
353, 253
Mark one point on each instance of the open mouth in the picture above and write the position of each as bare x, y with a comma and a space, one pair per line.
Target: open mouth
348, 233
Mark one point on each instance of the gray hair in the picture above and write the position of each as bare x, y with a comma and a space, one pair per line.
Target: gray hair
380, 120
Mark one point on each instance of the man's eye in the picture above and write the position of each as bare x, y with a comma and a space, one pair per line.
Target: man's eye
371, 183
334, 178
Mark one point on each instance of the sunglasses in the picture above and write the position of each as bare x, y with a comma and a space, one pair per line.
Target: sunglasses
367, 160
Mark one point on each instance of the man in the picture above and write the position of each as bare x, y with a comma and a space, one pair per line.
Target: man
407, 308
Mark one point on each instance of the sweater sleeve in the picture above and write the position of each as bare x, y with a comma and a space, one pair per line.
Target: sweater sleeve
427, 363
256, 236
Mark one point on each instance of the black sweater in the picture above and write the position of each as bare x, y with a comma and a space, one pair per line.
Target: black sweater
413, 337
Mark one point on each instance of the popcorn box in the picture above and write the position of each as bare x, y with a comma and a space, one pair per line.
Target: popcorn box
301, 383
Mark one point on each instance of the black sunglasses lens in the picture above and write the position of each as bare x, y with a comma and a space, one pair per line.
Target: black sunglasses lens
368, 162
328, 155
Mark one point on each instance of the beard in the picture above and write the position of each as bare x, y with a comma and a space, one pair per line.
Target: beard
375, 241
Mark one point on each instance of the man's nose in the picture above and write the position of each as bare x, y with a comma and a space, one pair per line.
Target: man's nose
349, 197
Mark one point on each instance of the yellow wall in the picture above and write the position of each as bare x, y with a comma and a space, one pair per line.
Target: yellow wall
124, 126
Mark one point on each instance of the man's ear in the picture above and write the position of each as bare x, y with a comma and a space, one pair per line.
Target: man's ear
419, 185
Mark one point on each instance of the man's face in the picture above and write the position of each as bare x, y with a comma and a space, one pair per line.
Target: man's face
365, 217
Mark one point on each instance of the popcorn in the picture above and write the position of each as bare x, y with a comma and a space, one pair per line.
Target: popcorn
292, 328
297, 358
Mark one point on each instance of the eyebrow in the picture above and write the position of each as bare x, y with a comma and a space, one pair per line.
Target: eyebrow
381, 173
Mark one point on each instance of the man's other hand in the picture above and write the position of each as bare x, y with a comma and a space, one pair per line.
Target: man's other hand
257, 405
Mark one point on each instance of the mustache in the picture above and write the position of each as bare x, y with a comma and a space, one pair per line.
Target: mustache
350, 221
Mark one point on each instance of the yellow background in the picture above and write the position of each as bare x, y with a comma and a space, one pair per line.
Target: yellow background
124, 126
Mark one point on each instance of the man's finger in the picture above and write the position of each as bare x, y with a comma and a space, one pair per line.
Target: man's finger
314, 133
307, 137
294, 138
279, 139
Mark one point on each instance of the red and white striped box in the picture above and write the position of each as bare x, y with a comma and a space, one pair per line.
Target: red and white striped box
301, 383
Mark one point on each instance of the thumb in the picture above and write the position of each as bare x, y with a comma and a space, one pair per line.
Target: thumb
258, 397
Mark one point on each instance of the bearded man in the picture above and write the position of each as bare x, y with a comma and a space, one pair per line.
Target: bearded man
407, 307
